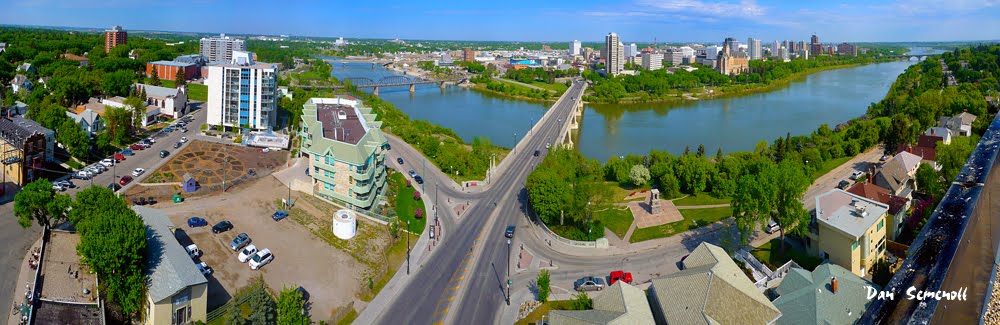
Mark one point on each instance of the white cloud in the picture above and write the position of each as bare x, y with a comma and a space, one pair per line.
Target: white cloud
744, 8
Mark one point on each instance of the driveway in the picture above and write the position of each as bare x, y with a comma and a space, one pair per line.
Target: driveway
829, 180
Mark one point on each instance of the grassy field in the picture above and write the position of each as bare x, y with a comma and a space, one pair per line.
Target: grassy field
615, 219
406, 205
536, 315
829, 165
693, 219
703, 198
557, 87
770, 254
195, 91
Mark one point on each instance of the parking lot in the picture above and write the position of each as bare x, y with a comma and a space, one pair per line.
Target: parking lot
331, 277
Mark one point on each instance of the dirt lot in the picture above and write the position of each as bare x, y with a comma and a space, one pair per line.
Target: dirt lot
209, 163
330, 271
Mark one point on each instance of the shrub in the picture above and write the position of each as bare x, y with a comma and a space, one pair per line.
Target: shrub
543, 285
416, 195
419, 213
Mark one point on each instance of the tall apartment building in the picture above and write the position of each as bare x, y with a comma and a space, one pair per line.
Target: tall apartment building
615, 58
673, 56
774, 48
815, 47
631, 50
220, 49
468, 55
753, 48
346, 151
574, 47
847, 49
243, 93
114, 37
652, 61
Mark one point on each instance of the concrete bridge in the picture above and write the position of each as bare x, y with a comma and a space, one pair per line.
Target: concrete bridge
391, 81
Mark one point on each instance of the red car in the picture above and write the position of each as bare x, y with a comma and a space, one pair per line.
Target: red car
119, 156
620, 276
125, 179
136, 147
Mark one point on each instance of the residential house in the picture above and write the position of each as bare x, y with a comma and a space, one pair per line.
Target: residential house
26, 68
19, 109
897, 174
3, 47
44, 81
151, 112
848, 230
620, 303
829, 294
172, 102
898, 205
19, 83
960, 124
176, 291
25, 146
711, 289
944, 133
84, 61
89, 120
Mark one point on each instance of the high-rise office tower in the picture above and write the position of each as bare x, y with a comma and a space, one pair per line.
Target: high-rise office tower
220, 49
574, 48
614, 62
753, 48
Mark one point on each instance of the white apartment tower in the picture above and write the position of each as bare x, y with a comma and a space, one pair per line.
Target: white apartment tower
631, 50
652, 61
575, 47
243, 93
753, 48
615, 59
220, 49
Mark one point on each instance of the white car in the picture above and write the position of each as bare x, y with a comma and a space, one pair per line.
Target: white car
107, 162
184, 139
138, 171
203, 267
150, 140
857, 174
193, 251
247, 252
262, 257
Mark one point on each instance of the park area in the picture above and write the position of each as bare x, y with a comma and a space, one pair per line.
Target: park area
210, 164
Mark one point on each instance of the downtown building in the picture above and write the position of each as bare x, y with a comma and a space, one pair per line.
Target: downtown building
614, 59
243, 93
574, 47
754, 49
815, 47
114, 37
220, 49
652, 61
847, 49
345, 147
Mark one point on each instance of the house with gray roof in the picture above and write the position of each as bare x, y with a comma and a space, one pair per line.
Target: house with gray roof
897, 174
960, 124
88, 120
711, 289
830, 294
20, 83
620, 303
174, 285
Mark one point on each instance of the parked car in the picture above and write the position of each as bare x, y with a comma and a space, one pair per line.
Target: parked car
239, 241
145, 144
150, 200
164, 153
203, 268
278, 215
399, 160
537, 152
418, 179
844, 184
139, 201
168, 129
107, 162
247, 252
138, 171
884, 158
150, 140
82, 174
509, 233
548, 145
620, 275
65, 183
184, 130
772, 227
128, 151
114, 187
196, 222
184, 139
222, 226
119, 156
857, 174
413, 173
125, 179
193, 250
262, 257
177, 145
589, 283
57, 187
136, 146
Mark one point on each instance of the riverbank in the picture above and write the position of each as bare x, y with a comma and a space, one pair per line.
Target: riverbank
482, 88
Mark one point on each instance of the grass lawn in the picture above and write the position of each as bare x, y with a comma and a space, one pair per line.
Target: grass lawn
198, 92
693, 218
619, 193
558, 87
406, 205
703, 198
536, 315
615, 219
829, 165
770, 254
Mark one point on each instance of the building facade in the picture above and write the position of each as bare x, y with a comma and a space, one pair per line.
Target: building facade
631, 50
815, 47
167, 70
114, 37
847, 49
243, 93
849, 230
754, 49
345, 147
172, 102
652, 61
615, 54
25, 146
220, 49
574, 47
468, 55
176, 291
732, 62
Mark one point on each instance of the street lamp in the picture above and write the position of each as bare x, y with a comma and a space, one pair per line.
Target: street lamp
508, 272
407, 247
589, 227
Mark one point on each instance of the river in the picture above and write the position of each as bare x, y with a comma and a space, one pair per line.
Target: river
733, 124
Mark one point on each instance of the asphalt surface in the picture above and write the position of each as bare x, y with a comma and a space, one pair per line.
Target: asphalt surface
475, 290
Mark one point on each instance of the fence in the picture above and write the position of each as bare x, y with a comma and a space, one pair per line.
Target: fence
238, 299
763, 274
567, 241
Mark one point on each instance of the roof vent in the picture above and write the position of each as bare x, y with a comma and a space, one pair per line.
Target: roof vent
341, 115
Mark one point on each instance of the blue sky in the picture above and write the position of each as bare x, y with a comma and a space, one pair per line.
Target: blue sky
558, 20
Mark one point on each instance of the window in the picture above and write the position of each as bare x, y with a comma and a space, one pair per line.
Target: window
854, 245
317, 157
881, 223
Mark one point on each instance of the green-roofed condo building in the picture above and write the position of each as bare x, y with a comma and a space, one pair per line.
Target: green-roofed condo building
346, 150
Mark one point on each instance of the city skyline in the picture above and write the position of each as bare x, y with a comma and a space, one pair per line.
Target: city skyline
637, 21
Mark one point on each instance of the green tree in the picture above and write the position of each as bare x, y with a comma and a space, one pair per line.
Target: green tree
74, 138
263, 309
154, 78
929, 181
693, 173
701, 150
543, 285
791, 185
639, 175
138, 110
117, 83
291, 308
581, 301
953, 156
38, 203
668, 186
180, 78
234, 316
881, 273
751, 202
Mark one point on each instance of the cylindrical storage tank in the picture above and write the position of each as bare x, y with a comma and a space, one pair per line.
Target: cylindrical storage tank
345, 225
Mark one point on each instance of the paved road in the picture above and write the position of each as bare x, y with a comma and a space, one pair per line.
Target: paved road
429, 300
828, 181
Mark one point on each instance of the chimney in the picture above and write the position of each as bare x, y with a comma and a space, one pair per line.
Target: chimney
833, 285
909, 148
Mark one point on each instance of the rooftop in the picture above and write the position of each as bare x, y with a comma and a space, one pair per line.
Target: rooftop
157, 91
847, 212
65, 278
341, 122
621, 303
18, 129
808, 298
172, 63
169, 268
879, 194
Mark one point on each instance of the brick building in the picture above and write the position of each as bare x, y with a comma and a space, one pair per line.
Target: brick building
114, 37
167, 70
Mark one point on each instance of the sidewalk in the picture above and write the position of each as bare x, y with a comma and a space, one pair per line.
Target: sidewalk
26, 276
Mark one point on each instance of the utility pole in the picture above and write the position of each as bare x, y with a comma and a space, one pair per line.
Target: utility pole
508, 271
407, 247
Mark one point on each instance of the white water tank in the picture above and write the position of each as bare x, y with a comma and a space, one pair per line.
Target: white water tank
345, 225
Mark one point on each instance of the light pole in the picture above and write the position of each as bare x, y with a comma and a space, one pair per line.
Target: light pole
514, 147
508, 272
589, 228
407, 247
